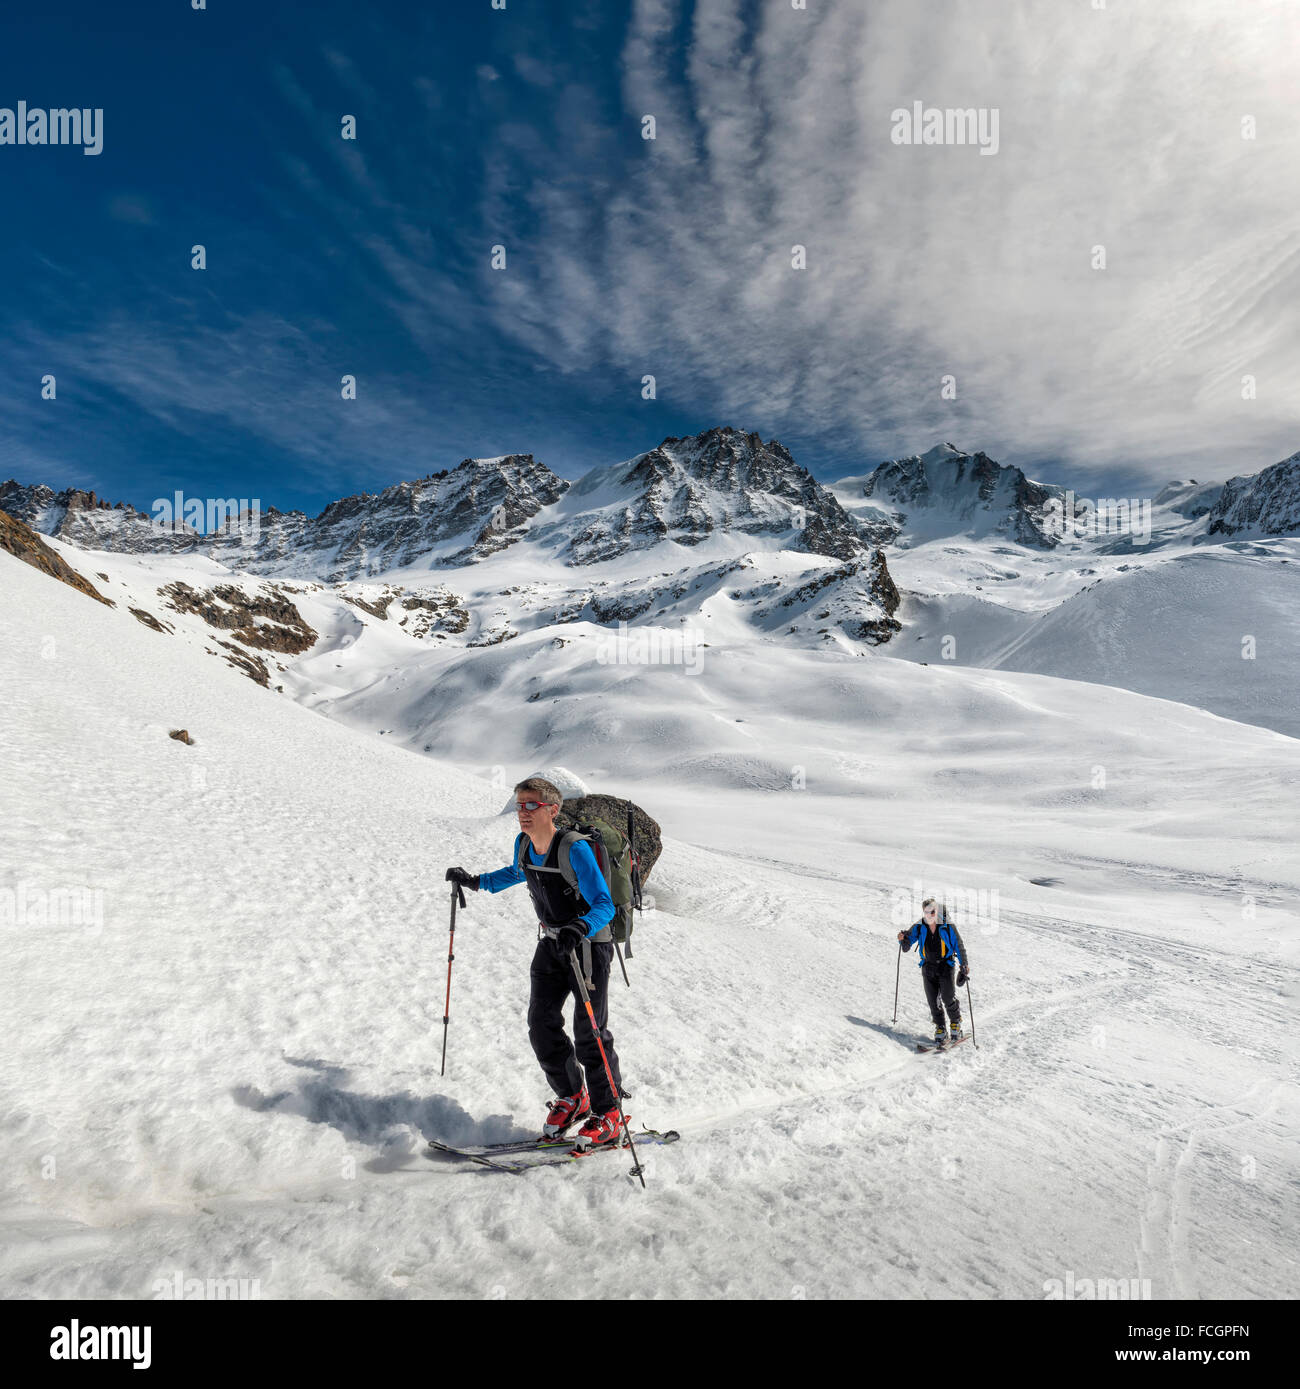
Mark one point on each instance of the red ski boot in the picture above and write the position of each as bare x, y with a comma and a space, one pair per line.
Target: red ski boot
599, 1131
565, 1111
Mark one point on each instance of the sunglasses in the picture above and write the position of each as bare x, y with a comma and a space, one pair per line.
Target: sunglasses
532, 805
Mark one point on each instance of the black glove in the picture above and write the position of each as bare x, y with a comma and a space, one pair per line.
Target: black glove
571, 936
461, 878
963, 974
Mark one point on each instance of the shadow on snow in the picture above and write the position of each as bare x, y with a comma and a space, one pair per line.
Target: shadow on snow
387, 1122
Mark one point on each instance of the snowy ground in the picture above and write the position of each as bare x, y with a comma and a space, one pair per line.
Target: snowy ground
225, 1064
1217, 626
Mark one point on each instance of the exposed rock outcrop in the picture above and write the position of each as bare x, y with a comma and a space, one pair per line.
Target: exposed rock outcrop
19, 539
1267, 503
268, 621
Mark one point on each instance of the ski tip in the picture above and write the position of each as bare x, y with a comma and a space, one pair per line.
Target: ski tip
658, 1136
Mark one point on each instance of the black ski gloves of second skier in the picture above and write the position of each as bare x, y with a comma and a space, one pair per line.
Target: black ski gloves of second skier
462, 879
963, 974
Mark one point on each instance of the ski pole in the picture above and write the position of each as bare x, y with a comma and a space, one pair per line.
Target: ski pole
634, 868
971, 1009
635, 904
897, 971
456, 892
609, 1075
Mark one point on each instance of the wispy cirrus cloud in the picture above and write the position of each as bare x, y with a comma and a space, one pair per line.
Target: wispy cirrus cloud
260, 379
1119, 128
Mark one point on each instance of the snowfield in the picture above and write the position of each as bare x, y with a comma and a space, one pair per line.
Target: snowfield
1214, 626
226, 965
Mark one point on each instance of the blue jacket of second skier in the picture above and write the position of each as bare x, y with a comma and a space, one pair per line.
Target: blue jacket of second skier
947, 940
600, 905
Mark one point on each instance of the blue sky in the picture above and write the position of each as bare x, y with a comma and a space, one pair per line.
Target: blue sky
626, 256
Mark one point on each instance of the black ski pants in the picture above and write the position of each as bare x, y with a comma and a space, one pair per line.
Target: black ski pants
938, 983
552, 984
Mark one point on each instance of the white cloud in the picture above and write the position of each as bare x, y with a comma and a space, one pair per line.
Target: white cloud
1118, 127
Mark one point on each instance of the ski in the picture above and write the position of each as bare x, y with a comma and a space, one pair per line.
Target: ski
510, 1145
497, 1164
566, 1152
945, 1045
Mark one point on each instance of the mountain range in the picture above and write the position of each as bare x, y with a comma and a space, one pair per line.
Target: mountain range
718, 537
686, 490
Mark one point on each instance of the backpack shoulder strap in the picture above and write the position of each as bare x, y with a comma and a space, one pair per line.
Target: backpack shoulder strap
562, 856
564, 868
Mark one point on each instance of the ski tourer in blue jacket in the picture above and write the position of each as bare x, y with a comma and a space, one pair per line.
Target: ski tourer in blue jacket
947, 950
939, 949
573, 909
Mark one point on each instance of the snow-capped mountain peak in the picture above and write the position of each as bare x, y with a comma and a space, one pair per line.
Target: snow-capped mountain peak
1267, 503
947, 491
86, 520
455, 516
940, 453
690, 490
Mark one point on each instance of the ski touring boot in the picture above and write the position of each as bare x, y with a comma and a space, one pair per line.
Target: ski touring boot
955, 1033
564, 1111
600, 1131
940, 1035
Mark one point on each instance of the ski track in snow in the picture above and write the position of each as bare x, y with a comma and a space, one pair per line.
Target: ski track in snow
1164, 1245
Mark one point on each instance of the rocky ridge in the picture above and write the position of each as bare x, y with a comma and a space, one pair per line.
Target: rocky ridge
1267, 503
950, 490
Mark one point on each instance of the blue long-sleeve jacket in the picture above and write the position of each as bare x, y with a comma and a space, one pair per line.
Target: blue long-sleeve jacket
591, 883
954, 952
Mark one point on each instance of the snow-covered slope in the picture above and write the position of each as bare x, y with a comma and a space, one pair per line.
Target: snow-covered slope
1214, 626
225, 1063
994, 571
1187, 497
